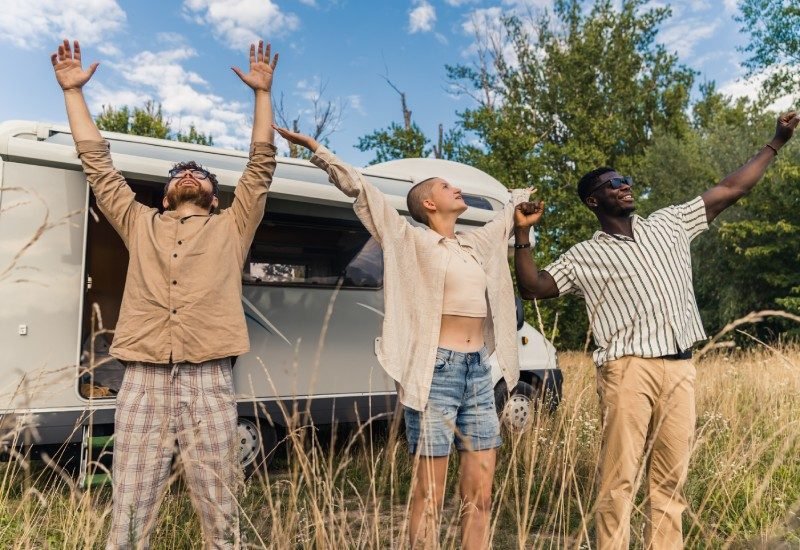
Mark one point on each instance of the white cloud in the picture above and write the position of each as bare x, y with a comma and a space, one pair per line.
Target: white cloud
751, 88
183, 95
354, 102
312, 3
239, 23
519, 5
422, 18
486, 26
731, 6
458, 3
31, 24
109, 50
682, 36
170, 38
101, 96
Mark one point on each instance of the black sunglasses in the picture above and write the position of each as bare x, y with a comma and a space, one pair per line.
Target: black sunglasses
197, 174
613, 183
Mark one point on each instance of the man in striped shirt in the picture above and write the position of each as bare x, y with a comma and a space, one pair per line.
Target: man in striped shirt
635, 275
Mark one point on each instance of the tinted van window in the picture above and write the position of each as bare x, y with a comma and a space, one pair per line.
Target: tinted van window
299, 250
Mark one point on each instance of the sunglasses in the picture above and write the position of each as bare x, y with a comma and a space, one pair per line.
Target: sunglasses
177, 173
614, 183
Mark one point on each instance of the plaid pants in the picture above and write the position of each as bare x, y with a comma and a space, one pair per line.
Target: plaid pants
157, 406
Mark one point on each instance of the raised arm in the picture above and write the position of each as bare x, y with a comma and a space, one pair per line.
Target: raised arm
736, 185
498, 230
259, 79
380, 218
532, 282
115, 199
71, 76
250, 195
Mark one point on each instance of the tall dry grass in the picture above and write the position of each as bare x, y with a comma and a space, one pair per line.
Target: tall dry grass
350, 489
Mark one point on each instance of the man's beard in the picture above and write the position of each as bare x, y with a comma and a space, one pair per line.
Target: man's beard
194, 194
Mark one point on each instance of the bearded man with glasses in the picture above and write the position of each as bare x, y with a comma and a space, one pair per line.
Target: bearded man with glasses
635, 275
181, 318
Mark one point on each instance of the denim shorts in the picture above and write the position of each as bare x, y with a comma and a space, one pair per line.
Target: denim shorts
460, 406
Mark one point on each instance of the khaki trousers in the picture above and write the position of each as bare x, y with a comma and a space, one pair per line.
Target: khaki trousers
157, 406
648, 418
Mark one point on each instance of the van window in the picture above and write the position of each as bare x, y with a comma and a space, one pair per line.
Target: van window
307, 251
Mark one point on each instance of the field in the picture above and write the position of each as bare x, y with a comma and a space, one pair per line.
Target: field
743, 487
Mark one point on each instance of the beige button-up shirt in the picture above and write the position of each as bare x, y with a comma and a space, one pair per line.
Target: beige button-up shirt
182, 298
415, 262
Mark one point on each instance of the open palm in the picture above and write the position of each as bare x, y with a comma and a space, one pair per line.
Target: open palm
67, 66
261, 69
297, 138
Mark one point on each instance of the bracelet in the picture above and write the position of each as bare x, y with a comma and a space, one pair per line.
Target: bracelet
526, 245
773, 148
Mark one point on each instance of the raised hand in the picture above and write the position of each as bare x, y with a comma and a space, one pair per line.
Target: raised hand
527, 214
297, 138
261, 69
786, 124
67, 66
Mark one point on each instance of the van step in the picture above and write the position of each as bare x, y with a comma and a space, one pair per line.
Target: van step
97, 480
96, 455
101, 442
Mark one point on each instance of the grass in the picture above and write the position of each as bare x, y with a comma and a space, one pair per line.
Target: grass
743, 486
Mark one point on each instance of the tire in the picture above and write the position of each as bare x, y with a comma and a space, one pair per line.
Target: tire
516, 409
257, 440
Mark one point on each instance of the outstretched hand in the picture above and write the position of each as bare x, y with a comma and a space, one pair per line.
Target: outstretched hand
261, 69
67, 66
297, 138
528, 214
787, 122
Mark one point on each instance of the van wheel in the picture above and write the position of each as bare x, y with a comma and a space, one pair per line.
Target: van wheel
257, 440
516, 408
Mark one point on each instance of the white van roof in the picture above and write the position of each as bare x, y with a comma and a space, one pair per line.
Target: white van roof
296, 179
468, 178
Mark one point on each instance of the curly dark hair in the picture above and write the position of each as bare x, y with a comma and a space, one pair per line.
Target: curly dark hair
192, 165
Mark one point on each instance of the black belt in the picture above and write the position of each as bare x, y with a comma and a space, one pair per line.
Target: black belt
680, 356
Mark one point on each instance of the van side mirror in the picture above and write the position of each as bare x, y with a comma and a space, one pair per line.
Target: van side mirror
520, 312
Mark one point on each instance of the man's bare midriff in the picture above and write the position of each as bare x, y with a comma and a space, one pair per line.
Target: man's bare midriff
459, 333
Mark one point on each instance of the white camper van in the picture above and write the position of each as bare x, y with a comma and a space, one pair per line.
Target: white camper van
312, 290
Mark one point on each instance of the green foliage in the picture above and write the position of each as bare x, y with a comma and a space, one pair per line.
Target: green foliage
774, 29
193, 136
749, 259
590, 89
395, 142
146, 121
141, 121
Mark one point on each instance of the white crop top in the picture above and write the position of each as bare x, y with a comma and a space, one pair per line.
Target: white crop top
464, 283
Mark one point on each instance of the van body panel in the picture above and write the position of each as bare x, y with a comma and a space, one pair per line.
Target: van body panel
42, 216
312, 344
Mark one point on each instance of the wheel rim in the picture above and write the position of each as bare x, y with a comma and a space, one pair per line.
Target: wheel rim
517, 412
249, 441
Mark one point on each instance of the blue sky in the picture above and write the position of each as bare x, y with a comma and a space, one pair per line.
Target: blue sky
179, 53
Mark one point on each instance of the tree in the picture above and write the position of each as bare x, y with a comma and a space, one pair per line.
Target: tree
193, 136
326, 118
749, 259
774, 29
560, 95
409, 141
146, 121
395, 142
141, 121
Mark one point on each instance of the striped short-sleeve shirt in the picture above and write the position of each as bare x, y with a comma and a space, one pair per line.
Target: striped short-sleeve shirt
638, 291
